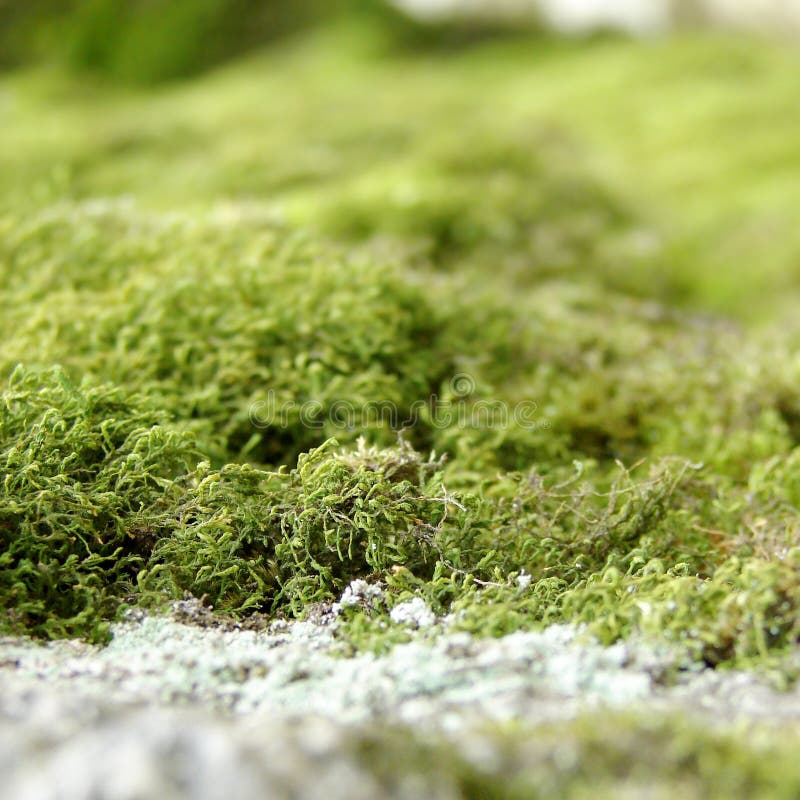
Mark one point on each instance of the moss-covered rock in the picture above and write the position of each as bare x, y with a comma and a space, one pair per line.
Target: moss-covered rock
465, 246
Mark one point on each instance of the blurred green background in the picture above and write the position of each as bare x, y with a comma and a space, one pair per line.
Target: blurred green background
148, 41
350, 119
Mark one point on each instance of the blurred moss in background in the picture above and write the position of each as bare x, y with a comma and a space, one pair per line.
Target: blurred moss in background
150, 41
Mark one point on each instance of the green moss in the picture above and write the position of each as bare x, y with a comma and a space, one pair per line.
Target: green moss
746, 610
248, 539
80, 469
337, 240
102, 499
251, 336
636, 558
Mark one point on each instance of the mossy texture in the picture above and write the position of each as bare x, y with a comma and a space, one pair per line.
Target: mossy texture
204, 282
248, 539
79, 468
246, 333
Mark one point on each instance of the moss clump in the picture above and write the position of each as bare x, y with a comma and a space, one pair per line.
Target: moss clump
79, 470
259, 341
103, 500
247, 539
516, 201
645, 555
746, 611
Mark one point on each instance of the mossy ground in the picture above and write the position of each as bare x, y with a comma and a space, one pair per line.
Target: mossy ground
603, 234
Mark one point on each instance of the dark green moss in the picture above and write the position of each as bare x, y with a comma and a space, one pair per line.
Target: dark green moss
79, 470
246, 539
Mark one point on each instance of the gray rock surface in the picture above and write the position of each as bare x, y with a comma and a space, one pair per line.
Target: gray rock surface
174, 710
